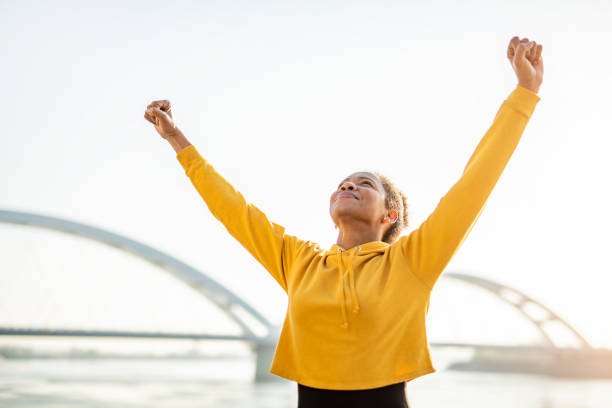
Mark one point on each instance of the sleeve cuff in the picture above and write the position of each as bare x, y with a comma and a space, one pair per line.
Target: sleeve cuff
523, 100
188, 155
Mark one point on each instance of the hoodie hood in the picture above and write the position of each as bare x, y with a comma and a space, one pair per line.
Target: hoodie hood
345, 264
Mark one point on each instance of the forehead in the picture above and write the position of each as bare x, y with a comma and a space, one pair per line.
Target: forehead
362, 175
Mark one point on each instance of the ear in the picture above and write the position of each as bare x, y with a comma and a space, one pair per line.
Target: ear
391, 217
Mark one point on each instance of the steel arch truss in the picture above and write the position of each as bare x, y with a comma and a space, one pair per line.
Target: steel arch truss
535, 312
228, 302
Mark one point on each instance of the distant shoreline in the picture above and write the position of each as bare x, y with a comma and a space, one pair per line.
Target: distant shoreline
123, 357
11, 353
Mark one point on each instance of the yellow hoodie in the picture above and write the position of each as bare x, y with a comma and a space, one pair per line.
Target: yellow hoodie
386, 287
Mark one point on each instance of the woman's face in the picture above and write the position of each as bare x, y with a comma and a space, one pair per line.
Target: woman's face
361, 196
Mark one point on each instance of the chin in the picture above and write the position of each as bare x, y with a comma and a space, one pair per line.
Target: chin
346, 211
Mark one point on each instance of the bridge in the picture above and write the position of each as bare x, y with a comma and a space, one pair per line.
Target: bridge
581, 361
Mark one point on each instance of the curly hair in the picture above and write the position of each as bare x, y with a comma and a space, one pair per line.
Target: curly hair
394, 200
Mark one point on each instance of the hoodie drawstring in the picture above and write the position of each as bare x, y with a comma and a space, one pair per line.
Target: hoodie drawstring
355, 310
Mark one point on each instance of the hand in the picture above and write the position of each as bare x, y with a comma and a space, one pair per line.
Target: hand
526, 59
159, 113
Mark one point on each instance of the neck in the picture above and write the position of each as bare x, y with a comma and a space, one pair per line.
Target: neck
349, 237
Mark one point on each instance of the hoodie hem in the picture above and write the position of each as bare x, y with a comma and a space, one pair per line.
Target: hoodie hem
354, 385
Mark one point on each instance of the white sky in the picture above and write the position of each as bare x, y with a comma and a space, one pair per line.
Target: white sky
286, 100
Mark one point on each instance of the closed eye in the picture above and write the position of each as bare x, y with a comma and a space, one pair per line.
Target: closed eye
363, 181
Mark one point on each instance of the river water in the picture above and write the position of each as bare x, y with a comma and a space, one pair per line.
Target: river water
55, 383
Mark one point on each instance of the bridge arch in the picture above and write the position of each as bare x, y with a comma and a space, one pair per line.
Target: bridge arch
524, 304
227, 301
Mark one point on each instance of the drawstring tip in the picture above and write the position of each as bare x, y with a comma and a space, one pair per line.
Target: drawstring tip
344, 325
356, 310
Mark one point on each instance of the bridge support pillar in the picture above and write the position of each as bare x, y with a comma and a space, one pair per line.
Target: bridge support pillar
264, 354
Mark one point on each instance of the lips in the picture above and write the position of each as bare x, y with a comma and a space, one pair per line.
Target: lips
346, 194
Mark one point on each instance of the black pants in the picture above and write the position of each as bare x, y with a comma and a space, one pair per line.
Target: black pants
389, 396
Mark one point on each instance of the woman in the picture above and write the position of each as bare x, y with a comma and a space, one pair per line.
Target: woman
354, 331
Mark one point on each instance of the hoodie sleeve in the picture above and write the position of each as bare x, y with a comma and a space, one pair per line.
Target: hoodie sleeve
265, 240
429, 248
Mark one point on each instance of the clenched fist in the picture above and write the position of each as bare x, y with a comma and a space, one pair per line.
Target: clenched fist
526, 59
159, 113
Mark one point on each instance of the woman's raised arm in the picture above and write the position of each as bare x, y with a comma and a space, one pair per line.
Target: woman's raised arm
265, 240
429, 248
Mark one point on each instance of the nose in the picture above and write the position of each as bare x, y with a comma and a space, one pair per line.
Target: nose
347, 185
